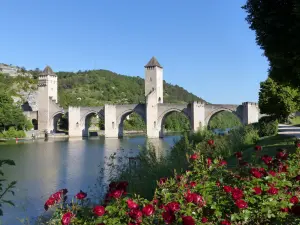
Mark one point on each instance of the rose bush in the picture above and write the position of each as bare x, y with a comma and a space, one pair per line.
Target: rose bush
207, 193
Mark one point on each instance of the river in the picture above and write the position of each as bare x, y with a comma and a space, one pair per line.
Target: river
45, 167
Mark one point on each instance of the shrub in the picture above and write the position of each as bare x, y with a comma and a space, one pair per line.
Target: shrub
13, 133
206, 193
268, 126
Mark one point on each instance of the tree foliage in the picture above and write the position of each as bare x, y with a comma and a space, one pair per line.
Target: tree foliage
11, 115
223, 120
277, 100
277, 27
98, 87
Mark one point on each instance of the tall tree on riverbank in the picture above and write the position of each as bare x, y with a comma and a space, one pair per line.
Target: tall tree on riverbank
278, 101
11, 115
277, 27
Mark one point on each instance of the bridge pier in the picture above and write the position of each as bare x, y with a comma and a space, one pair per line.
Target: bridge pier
198, 116
75, 124
111, 125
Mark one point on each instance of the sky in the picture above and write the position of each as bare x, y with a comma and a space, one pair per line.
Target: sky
204, 46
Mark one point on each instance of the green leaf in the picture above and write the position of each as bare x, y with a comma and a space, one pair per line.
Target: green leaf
8, 202
7, 162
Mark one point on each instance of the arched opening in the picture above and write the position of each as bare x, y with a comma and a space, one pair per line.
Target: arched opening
35, 124
93, 125
132, 123
60, 123
174, 122
223, 121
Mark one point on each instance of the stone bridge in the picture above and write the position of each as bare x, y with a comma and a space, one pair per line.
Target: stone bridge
154, 112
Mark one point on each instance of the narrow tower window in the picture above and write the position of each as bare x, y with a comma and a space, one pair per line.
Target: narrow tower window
154, 124
113, 125
159, 100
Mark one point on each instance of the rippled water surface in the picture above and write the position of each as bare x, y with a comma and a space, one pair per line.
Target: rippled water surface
44, 167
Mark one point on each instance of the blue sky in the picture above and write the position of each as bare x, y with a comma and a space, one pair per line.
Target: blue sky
204, 46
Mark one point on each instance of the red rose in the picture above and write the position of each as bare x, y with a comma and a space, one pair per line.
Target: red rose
210, 142
237, 193
135, 214
298, 145
209, 161
81, 195
267, 159
116, 193
272, 173
50, 202
189, 197
225, 222
168, 217
197, 199
99, 210
257, 190
241, 204
238, 155
258, 148
282, 155
188, 220
155, 201
256, 173
193, 184
218, 183
173, 206
284, 209
297, 178
273, 191
194, 157
222, 163
54, 198
227, 189
294, 200
282, 168
179, 177
162, 180
131, 204
66, 218
148, 210
204, 220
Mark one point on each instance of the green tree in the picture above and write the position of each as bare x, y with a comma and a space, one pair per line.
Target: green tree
277, 27
11, 115
277, 100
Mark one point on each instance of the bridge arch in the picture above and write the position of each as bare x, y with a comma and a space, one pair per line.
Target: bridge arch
161, 119
123, 115
216, 111
54, 120
84, 120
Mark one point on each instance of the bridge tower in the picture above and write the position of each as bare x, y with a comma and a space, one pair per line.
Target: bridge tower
154, 95
47, 94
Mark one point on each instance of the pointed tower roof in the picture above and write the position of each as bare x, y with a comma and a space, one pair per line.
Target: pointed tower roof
153, 62
48, 71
